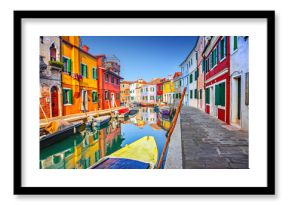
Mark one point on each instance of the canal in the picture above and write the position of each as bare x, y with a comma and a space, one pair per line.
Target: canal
84, 149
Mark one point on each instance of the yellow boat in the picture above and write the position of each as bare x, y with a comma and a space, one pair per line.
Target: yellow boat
141, 154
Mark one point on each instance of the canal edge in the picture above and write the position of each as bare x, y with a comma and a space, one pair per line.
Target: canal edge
174, 154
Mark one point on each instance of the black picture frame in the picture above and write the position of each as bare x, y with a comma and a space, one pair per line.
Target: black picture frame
268, 190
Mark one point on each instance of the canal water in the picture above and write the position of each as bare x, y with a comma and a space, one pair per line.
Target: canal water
84, 149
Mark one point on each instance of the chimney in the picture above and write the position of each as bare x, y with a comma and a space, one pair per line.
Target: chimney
85, 48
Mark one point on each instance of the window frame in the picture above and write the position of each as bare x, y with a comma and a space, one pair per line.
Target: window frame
69, 103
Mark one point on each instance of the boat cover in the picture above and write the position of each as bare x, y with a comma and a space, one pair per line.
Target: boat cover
121, 163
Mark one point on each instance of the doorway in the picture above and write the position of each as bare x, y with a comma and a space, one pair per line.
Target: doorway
112, 100
236, 100
54, 101
84, 106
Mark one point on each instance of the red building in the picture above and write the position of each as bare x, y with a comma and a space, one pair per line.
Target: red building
109, 81
159, 90
217, 77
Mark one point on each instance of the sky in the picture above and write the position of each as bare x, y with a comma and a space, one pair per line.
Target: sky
143, 57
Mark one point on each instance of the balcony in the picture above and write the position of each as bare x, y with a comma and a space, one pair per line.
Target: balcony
56, 65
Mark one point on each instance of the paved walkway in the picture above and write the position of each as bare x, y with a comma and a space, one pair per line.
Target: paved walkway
208, 143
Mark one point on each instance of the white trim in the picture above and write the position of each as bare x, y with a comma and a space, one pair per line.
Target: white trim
217, 75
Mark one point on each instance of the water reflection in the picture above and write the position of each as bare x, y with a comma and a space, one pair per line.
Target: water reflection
82, 150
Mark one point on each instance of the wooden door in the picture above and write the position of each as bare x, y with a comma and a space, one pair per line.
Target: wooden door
54, 102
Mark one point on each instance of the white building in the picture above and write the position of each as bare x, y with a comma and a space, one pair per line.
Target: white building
148, 93
239, 49
133, 86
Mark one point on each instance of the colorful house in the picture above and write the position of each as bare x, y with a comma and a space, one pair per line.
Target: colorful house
168, 90
79, 77
159, 90
125, 92
200, 92
148, 93
239, 49
217, 77
136, 84
177, 85
185, 77
50, 67
109, 81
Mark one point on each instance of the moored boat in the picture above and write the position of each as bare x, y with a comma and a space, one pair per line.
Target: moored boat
141, 154
124, 112
133, 112
59, 130
98, 121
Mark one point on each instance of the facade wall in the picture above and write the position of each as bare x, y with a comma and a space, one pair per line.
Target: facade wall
168, 91
200, 81
50, 78
75, 81
240, 72
148, 93
125, 92
185, 80
215, 77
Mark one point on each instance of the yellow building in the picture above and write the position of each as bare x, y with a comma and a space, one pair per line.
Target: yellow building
79, 77
168, 91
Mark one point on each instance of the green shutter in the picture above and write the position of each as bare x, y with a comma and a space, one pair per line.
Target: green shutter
190, 94
235, 42
222, 94
86, 71
207, 94
68, 65
200, 93
217, 95
64, 96
70, 96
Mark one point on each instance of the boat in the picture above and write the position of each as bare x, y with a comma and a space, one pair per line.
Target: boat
124, 112
98, 121
156, 108
58, 131
147, 104
133, 112
165, 110
141, 154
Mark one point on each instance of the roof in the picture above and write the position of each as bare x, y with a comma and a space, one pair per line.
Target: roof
176, 74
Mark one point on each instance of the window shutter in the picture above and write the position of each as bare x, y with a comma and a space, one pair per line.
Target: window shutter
217, 95
200, 93
225, 48
70, 96
64, 96
68, 65
222, 94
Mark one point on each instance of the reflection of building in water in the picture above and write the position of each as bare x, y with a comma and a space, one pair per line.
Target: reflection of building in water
163, 123
148, 115
73, 153
82, 152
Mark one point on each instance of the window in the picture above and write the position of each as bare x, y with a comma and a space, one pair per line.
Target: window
179, 95
190, 94
117, 81
176, 95
207, 94
106, 95
200, 94
52, 52
66, 65
235, 43
84, 70
146, 89
180, 83
195, 94
112, 79
213, 58
151, 97
220, 94
67, 96
95, 74
94, 96
196, 74
107, 77
41, 39
190, 78
196, 55
222, 48
117, 96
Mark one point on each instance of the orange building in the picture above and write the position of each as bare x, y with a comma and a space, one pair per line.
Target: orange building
79, 77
